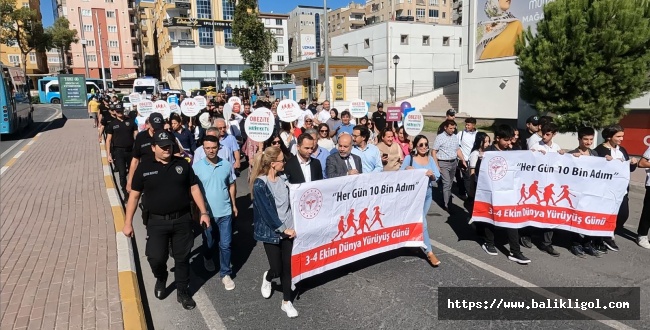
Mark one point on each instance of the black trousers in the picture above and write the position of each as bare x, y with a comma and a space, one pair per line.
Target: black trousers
121, 160
487, 231
644, 222
546, 234
623, 213
279, 256
159, 232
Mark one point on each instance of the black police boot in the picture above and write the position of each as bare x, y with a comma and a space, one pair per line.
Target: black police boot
160, 288
183, 297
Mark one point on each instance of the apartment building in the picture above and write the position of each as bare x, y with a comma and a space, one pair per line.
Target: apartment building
425, 11
11, 55
305, 30
109, 39
346, 19
193, 40
277, 25
54, 61
148, 51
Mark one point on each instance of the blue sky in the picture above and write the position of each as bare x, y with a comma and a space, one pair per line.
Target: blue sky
280, 7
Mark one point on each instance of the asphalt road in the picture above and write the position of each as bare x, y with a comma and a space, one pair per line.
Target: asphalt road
43, 115
393, 290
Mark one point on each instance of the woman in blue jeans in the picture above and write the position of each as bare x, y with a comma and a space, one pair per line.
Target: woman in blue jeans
420, 159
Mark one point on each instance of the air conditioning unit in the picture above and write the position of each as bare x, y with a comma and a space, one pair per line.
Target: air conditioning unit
116, 63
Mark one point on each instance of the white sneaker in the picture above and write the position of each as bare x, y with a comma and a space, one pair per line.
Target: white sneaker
208, 264
643, 242
266, 287
288, 308
228, 283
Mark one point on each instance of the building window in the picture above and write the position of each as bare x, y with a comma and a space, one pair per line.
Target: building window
445, 41
280, 49
90, 42
88, 28
110, 14
345, 48
279, 40
112, 28
278, 22
53, 60
433, 2
15, 59
204, 9
86, 12
112, 44
419, 12
366, 43
91, 58
228, 10
25, 4
108, 1
433, 13
460, 42
408, 12
206, 36
280, 58
227, 34
404, 39
115, 58
32, 57
425, 41
444, 14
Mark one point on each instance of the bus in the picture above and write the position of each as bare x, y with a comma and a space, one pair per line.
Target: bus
42, 91
52, 94
17, 109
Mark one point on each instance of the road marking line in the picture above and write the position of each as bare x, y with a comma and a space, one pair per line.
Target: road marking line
4, 168
11, 148
210, 315
19, 153
57, 112
523, 283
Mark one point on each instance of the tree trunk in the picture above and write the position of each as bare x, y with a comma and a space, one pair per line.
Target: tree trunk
63, 67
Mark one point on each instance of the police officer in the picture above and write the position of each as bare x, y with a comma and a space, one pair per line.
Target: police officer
106, 114
120, 135
379, 117
170, 185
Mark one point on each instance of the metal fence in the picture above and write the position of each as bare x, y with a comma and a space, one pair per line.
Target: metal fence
386, 93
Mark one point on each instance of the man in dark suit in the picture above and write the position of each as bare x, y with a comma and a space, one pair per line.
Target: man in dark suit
303, 168
343, 162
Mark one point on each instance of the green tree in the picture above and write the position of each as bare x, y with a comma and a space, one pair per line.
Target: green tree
24, 30
62, 37
588, 59
251, 76
255, 43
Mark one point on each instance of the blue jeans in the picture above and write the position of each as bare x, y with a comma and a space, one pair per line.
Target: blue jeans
425, 231
224, 225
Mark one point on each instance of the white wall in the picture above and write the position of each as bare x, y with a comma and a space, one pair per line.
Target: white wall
205, 55
417, 63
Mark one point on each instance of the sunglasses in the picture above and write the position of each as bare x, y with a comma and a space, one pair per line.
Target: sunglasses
273, 143
324, 131
308, 121
423, 145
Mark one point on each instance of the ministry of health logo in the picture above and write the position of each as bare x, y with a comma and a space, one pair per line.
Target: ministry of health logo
311, 203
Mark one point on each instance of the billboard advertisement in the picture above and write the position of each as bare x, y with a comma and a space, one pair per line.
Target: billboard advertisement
502, 22
307, 46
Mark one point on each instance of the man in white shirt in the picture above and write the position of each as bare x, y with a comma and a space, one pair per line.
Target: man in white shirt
305, 112
537, 136
466, 142
324, 114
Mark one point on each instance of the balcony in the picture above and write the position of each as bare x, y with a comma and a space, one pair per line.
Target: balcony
420, 3
178, 4
183, 43
144, 27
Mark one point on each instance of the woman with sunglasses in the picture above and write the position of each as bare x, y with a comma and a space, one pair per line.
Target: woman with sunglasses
324, 139
276, 141
373, 132
420, 159
273, 223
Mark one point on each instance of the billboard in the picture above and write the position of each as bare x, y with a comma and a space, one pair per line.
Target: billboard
502, 22
307, 46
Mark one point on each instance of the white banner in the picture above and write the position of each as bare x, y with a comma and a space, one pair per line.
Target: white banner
342, 220
524, 188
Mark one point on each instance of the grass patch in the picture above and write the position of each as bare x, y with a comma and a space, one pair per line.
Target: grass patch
431, 125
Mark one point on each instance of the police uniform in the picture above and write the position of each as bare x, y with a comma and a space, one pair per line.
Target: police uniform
122, 139
167, 187
379, 118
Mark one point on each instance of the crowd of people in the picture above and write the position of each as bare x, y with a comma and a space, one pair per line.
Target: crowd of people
185, 168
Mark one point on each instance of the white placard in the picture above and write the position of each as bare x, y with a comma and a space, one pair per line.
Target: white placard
234, 99
162, 107
289, 110
145, 107
227, 112
413, 123
358, 108
135, 98
174, 108
201, 102
259, 125
204, 119
190, 107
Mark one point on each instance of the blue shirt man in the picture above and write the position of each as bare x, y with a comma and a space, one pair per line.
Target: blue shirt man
218, 186
370, 155
228, 140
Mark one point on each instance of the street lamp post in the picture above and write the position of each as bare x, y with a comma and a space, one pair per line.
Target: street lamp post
395, 62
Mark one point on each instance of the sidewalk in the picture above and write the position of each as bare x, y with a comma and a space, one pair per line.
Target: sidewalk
58, 247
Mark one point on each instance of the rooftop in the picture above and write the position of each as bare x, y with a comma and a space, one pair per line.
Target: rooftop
350, 61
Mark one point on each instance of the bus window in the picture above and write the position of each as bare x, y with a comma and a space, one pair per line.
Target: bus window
53, 88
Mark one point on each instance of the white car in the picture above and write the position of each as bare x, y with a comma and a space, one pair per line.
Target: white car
126, 103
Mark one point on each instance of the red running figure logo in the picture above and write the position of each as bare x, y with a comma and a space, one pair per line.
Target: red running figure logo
547, 194
349, 223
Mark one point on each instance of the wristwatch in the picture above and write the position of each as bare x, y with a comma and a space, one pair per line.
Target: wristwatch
205, 213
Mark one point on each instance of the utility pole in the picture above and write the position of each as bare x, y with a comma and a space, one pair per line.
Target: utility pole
327, 60
83, 44
101, 52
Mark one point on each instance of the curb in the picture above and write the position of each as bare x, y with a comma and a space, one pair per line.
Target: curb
132, 310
